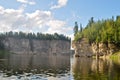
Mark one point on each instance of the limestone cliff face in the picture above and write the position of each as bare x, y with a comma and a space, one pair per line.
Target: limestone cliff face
104, 49
16, 45
82, 48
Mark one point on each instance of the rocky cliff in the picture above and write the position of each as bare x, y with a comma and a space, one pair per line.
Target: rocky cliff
17, 45
83, 48
103, 49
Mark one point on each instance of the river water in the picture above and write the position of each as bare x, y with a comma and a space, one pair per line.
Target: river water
35, 67
57, 67
92, 69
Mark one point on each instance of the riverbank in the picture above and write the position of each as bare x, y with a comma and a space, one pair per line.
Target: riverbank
115, 56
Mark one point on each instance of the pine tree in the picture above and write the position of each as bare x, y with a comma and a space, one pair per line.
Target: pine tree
75, 28
81, 28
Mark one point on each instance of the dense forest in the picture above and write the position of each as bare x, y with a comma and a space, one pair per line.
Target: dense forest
105, 31
38, 36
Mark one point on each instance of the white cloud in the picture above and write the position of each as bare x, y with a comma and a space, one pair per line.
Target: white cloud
56, 24
8, 18
59, 27
22, 1
27, 2
60, 4
38, 21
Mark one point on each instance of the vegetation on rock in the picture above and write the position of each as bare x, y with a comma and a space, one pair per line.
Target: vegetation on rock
105, 31
29, 40
38, 36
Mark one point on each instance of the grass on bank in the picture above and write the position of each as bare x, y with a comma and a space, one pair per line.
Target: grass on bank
113, 56
116, 56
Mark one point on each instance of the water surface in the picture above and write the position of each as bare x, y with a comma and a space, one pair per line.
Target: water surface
92, 69
35, 67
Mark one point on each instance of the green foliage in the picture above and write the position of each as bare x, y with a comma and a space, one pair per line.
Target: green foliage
115, 56
81, 28
78, 37
75, 28
101, 31
38, 36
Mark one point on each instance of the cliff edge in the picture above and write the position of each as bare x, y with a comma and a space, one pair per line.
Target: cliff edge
84, 48
16, 45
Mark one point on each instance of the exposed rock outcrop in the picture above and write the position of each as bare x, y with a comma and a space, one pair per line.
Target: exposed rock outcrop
16, 45
83, 48
104, 48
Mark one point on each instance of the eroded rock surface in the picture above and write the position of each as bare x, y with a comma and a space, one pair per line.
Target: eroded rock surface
16, 45
83, 48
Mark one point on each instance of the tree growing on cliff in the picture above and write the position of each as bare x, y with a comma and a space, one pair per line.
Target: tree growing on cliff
75, 28
81, 28
106, 31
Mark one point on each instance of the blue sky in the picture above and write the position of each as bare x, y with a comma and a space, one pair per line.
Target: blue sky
50, 16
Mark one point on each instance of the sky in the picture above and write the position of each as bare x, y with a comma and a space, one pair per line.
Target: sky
50, 16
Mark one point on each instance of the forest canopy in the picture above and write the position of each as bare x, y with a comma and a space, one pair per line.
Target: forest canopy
107, 30
38, 36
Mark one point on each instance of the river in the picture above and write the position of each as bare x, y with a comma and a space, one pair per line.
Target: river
57, 67
35, 67
92, 69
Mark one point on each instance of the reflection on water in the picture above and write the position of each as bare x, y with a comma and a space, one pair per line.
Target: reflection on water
35, 67
92, 69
